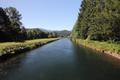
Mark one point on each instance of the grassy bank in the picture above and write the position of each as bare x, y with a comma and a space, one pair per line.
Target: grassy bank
10, 48
112, 49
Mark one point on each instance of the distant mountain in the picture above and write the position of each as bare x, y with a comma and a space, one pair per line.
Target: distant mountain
63, 33
45, 30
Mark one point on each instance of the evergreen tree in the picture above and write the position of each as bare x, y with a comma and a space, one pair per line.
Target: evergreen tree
98, 20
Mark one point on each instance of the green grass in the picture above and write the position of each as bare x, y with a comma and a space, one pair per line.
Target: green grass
106, 46
13, 47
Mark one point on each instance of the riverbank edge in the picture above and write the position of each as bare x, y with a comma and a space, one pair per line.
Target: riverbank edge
85, 43
23, 47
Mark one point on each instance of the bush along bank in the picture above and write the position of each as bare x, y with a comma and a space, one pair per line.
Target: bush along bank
112, 49
9, 49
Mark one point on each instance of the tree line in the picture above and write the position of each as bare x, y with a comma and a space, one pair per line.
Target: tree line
37, 33
98, 20
12, 29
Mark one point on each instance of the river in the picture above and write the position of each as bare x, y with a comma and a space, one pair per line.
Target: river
60, 60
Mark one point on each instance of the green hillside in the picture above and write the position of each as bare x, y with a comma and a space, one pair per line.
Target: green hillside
98, 20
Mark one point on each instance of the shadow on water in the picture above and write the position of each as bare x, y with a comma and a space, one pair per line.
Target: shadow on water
97, 66
61, 60
8, 64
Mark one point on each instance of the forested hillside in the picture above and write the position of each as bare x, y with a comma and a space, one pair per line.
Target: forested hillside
62, 33
98, 20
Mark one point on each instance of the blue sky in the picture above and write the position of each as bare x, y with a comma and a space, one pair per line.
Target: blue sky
47, 14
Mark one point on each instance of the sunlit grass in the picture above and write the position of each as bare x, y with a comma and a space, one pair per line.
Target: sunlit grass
10, 47
106, 46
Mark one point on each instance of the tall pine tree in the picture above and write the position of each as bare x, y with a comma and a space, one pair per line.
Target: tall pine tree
98, 20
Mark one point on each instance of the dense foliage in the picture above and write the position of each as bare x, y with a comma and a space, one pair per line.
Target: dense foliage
36, 34
98, 20
11, 28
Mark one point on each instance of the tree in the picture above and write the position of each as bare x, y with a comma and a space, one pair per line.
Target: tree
5, 28
36, 34
16, 25
98, 20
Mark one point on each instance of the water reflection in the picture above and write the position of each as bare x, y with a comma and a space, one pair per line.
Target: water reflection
9, 64
60, 60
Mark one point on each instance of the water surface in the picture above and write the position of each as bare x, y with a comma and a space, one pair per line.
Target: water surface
60, 60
